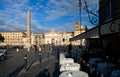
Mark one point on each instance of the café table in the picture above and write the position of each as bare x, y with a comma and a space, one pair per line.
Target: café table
115, 73
93, 63
105, 69
74, 74
70, 66
66, 60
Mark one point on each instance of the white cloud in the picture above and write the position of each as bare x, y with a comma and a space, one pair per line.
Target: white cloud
14, 14
55, 9
58, 8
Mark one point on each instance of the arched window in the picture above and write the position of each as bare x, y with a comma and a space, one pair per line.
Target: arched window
63, 39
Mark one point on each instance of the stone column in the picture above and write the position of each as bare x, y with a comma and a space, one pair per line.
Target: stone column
28, 29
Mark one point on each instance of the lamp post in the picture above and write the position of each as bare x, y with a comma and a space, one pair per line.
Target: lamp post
93, 17
80, 9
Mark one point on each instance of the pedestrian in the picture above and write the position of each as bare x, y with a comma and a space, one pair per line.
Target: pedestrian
46, 73
58, 54
35, 47
70, 50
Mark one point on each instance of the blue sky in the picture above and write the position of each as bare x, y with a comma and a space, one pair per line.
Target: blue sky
45, 14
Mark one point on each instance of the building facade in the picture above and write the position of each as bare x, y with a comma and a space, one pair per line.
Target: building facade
13, 38
57, 38
77, 31
110, 23
36, 39
51, 37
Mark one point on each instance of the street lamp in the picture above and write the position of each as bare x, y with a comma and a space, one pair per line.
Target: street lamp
80, 9
93, 17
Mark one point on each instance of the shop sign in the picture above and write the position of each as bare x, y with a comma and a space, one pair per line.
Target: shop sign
112, 27
115, 27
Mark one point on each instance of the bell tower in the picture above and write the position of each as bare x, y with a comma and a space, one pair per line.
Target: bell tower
77, 29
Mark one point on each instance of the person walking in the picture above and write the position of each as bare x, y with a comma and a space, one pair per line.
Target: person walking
35, 47
70, 50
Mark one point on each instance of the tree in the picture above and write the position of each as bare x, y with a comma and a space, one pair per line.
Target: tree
1, 38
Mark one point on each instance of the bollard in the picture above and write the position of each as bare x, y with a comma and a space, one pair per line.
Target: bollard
40, 57
17, 49
28, 49
39, 49
25, 62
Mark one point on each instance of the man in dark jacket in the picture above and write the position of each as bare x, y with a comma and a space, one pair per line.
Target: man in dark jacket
70, 50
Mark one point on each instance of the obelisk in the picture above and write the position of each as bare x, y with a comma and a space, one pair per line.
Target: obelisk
28, 29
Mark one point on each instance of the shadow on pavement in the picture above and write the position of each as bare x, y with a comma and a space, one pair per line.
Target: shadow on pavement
56, 71
44, 73
15, 73
30, 65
